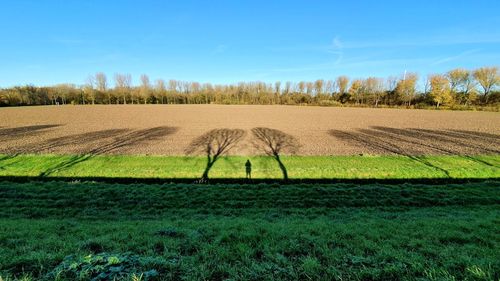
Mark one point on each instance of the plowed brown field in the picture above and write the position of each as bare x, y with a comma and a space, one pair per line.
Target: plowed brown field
168, 129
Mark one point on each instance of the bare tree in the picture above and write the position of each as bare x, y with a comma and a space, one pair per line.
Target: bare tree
301, 86
214, 143
208, 90
488, 78
392, 82
101, 81
145, 87
427, 86
374, 87
88, 88
330, 87
277, 92
318, 86
309, 88
288, 87
342, 84
102, 84
274, 142
161, 90
123, 82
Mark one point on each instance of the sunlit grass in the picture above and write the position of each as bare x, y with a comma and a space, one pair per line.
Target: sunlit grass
299, 167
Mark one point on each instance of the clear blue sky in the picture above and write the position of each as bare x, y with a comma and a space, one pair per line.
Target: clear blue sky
45, 42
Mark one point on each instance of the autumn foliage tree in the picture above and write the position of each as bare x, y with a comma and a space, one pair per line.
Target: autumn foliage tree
440, 89
488, 78
406, 88
462, 85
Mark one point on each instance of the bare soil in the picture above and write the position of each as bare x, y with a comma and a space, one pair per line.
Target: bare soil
169, 129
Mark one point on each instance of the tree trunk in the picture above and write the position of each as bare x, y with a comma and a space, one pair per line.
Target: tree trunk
282, 167
210, 163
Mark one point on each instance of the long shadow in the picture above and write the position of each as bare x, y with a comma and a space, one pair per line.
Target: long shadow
482, 135
444, 142
275, 142
479, 145
372, 140
78, 140
7, 157
134, 138
112, 141
414, 143
25, 131
213, 144
447, 142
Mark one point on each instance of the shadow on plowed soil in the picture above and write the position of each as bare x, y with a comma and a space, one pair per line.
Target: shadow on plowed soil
414, 142
99, 142
386, 140
94, 143
24, 131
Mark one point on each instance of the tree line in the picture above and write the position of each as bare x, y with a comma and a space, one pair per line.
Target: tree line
457, 87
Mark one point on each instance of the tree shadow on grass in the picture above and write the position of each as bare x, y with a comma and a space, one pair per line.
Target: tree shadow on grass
109, 141
414, 143
213, 144
275, 142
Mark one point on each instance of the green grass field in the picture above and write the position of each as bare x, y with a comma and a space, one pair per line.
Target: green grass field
299, 167
75, 231
79, 230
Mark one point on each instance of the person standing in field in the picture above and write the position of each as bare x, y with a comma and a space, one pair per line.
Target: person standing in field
248, 167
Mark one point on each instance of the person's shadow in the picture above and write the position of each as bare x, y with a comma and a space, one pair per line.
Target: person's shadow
248, 170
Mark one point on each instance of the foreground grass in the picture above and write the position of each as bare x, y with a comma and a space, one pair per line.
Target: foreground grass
255, 232
299, 167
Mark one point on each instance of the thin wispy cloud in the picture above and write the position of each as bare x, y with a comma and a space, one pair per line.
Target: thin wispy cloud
453, 58
439, 39
431, 41
337, 49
